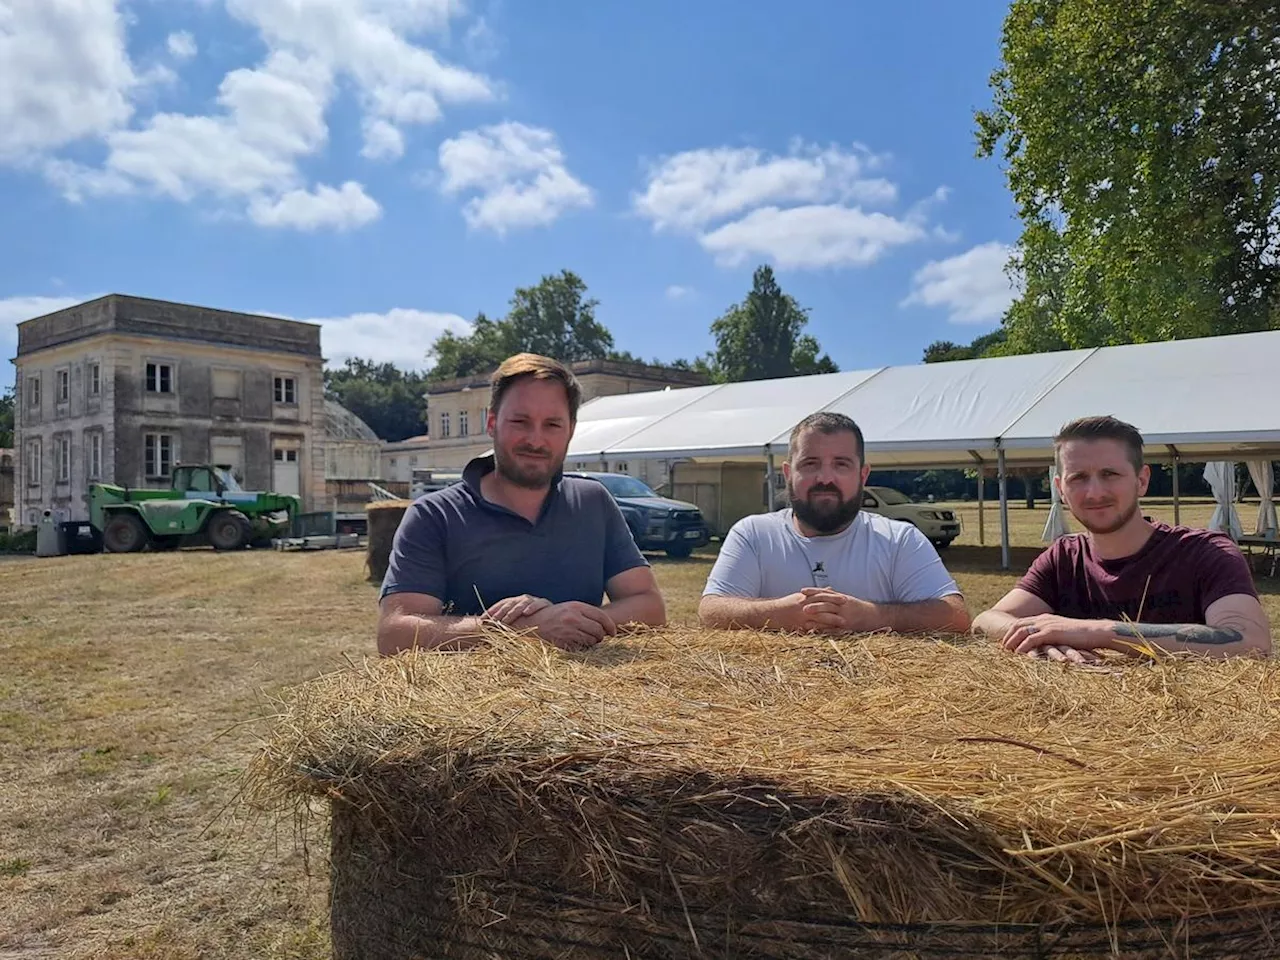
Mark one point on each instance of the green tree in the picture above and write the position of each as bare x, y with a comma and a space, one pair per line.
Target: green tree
554, 318
761, 337
1142, 146
987, 345
6, 418
391, 401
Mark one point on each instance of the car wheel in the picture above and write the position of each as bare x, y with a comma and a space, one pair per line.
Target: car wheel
228, 530
681, 551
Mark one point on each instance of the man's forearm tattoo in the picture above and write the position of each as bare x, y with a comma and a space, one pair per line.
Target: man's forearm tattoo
1183, 632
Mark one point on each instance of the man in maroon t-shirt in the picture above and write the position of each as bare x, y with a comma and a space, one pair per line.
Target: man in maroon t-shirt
1128, 581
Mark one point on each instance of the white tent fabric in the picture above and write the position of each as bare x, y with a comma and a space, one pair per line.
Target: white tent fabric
1263, 478
1183, 395
733, 419
1221, 477
1056, 525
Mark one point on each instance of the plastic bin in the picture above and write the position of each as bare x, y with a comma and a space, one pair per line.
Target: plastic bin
79, 536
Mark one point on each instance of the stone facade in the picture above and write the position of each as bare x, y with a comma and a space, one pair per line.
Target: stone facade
121, 389
458, 409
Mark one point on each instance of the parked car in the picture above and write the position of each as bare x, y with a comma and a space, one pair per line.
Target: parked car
939, 525
657, 523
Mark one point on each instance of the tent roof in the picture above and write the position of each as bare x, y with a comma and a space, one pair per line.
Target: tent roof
1207, 398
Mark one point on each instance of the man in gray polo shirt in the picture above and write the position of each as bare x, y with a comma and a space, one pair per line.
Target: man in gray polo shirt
516, 542
825, 565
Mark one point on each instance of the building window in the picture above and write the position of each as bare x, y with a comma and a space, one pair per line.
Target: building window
463, 425
392, 463
95, 456
286, 390
158, 451
413, 461
444, 426
286, 456
159, 378
95, 379
33, 393
63, 385
484, 418
621, 466
62, 459
33, 462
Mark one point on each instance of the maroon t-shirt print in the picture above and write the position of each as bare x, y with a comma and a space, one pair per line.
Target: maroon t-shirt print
1177, 575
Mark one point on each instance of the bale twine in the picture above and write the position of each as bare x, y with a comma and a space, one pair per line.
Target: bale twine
384, 518
678, 794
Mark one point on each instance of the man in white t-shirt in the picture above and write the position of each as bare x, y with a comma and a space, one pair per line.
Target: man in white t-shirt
823, 565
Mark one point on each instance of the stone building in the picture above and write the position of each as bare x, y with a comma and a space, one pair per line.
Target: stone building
459, 409
120, 389
401, 458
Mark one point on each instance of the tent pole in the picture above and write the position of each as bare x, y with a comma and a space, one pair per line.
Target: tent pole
1004, 511
768, 484
1177, 511
982, 516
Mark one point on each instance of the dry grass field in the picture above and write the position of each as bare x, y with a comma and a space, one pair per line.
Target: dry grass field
132, 694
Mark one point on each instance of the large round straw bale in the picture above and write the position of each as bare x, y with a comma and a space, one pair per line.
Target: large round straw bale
681, 794
384, 518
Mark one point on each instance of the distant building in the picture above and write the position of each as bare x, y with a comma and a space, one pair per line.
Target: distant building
402, 457
120, 389
459, 409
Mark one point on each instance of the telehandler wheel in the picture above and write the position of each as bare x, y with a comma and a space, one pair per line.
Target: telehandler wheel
125, 533
228, 530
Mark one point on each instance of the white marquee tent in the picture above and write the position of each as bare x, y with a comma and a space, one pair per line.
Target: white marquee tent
1207, 399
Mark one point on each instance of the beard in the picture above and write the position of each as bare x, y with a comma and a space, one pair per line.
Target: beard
825, 517
529, 475
1112, 527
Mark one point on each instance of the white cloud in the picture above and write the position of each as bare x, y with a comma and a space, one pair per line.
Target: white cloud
517, 171
182, 45
342, 208
401, 336
382, 141
972, 285
813, 208
695, 188
677, 292
64, 74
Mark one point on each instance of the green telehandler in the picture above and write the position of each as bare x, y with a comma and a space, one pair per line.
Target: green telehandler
204, 505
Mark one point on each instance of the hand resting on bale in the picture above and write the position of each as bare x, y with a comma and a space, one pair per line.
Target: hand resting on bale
827, 611
1236, 625
417, 620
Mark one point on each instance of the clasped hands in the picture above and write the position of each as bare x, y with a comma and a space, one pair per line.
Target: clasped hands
571, 625
823, 610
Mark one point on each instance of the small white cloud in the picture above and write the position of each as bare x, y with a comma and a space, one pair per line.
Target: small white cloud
697, 187
401, 336
382, 141
481, 42
677, 292
972, 286
65, 74
813, 208
182, 45
341, 208
810, 237
517, 171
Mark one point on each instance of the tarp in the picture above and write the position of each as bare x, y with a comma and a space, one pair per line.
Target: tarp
1264, 480
1056, 525
1221, 477
1204, 399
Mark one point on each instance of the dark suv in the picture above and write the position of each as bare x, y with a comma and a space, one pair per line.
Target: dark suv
657, 523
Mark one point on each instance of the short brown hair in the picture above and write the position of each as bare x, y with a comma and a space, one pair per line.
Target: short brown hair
1102, 428
530, 365
828, 423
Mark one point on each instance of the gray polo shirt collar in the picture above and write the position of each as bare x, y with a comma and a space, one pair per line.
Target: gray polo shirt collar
476, 469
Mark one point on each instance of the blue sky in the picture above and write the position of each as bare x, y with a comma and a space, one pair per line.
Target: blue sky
392, 167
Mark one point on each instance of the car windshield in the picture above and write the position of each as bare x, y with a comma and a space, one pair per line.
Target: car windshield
889, 495
626, 487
